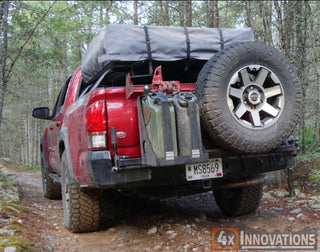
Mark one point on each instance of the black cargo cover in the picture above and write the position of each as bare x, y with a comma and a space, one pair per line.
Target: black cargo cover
116, 44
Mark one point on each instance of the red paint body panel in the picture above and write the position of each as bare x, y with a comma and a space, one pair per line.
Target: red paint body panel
53, 134
122, 114
75, 122
77, 137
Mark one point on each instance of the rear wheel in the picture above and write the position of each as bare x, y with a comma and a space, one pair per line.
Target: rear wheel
81, 208
51, 190
238, 201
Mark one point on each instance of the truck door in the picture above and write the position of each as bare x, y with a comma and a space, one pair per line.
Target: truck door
54, 128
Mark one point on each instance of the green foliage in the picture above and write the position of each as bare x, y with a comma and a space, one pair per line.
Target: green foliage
310, 140
11, 162
308, 157
315, 176
20, 243
307, 168
22, 167
12, 227
31, 168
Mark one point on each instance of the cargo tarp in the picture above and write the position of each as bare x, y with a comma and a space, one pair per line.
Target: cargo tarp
123, 43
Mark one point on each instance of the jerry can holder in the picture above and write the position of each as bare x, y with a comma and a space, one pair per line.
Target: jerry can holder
148, 155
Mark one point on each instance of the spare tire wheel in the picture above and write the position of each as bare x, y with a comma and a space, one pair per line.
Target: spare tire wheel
249, 98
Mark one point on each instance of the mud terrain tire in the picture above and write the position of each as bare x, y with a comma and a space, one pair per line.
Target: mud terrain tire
81, 208
51, 190
249, 98
238, 201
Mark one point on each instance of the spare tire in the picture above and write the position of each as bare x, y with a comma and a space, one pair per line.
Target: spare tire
249, 98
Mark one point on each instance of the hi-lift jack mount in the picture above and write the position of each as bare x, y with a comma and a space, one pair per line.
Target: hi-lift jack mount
158, 85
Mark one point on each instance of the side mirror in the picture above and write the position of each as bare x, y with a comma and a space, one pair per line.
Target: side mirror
41, 113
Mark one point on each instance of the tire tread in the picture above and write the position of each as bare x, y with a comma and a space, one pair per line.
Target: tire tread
51, 190
84, 206
245, 200
212, 78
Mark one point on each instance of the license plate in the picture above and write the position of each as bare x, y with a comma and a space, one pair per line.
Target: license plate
211, 169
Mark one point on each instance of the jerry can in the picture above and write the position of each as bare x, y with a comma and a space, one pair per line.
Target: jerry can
157, 122
188, 124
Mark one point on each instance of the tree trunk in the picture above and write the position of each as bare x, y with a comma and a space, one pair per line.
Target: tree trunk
181, 13
166, 13
2, 9
316, 126
135, 12
302, 12
250, 18
216, 13
210, 13
188, 13
101, 16
265, 11
289, 14
90, 15
4, 51
280, 25
269, 22
107, 17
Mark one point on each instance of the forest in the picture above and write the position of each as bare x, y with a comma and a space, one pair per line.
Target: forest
42, 43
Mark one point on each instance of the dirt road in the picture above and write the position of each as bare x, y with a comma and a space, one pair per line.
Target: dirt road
174, 224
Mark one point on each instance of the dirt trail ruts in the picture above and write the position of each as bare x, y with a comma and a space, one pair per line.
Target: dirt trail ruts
173, 224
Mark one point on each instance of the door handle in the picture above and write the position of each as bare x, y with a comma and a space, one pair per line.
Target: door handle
58, 124
51, 127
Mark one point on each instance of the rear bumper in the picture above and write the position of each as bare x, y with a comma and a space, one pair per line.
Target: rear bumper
100, 168
133, 174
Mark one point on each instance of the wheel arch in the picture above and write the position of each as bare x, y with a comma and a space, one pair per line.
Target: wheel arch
41, 144
43, 153
42, 147
64, 147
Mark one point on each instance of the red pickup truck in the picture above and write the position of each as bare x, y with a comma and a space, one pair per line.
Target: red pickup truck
216, 123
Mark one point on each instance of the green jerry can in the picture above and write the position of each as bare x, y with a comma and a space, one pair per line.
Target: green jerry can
188, 124
155, 123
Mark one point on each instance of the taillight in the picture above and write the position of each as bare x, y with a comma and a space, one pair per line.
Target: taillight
97, 142
96, 124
